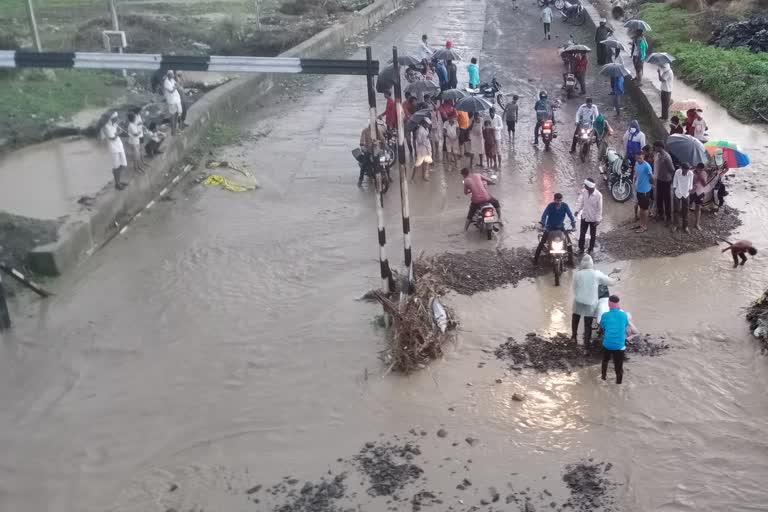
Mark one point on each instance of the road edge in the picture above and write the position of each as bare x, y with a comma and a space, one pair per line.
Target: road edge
83, 231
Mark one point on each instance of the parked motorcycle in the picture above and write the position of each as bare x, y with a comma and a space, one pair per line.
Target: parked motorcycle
584, 140
617, 173
487, 219
558, 248
574, 14
490, 90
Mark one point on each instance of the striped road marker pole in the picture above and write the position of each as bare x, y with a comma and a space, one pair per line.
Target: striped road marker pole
5, 316
386, 272
153, 62
406, 212
25, 280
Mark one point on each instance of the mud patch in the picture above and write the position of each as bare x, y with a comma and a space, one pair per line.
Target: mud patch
591, 490
559, 353
484, 270
659, 241
388, 466
321, 496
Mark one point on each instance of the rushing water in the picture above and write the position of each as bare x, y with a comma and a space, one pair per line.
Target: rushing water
220, 344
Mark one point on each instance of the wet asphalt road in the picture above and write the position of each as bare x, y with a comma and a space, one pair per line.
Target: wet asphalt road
219, 343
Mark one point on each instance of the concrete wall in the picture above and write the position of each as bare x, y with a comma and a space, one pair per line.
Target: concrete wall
84, 230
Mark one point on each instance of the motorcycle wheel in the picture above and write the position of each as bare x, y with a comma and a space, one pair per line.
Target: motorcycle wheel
546, 146
542, 3
621, 190
559, 4
558, 270
580, 18
568, 93
584, 151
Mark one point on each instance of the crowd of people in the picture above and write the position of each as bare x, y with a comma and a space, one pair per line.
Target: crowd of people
138, 136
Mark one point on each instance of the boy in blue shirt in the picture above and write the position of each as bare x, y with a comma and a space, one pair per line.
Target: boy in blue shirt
616, 324
474, 74
643, 182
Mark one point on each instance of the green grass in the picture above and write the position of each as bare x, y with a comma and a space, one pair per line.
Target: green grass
70, 92
220, 134
736, 78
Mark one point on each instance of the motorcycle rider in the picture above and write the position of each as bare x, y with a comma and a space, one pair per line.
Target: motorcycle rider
368, 147
544, 112
474, 184
586, 115
553, 219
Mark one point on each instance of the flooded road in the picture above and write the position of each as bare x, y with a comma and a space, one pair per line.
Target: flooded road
219, 345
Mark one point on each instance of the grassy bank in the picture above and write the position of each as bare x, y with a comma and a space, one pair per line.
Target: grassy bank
736, 78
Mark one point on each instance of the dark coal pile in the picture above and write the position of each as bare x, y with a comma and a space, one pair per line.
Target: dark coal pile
659, 241
484, 270
561, 354
289, 496
751, 33
388, 466
591, 490
757, 316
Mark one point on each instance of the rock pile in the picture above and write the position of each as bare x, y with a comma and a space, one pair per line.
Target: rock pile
751, 33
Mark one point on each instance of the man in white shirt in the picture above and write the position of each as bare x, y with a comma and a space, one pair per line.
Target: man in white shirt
173, 99
116, 150
590, 205
586, 115
497, 123
682, 186
546, 18
667, 79
425, 51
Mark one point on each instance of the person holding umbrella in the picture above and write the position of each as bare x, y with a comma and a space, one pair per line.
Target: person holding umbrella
423, 150
601, 34
442, 75
617, 91
664, 173
639, 49
667, 78
453, 80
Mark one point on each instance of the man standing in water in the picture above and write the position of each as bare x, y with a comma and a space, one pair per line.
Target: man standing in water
590, 205
616, 324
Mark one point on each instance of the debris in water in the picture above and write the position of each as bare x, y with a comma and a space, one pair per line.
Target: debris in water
442, 433
254, 489
560, 353
518, 397
590, 489
388, 466
757, 315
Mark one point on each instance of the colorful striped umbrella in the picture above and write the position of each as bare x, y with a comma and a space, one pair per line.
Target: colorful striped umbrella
733, 155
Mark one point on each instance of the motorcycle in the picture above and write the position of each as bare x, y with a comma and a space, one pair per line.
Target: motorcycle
584, 140
557, 3
373, 165
561, 49
617, 173
486, 219
490, 90
547, 132
570, 85
558, 246
574, 13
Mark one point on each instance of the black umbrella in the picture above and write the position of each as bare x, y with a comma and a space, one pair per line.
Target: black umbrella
407, 60
687, 149
446, 54
660, 58
417, 117
614, 44
472, 104
577, 48
452, 94
422, 87
615, 69
634, 25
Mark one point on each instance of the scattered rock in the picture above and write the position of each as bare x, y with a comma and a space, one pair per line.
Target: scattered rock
518, 397
254, 489
442, 433
388, 466
172, 487
751, 33
471, 441
499, 381
590, 489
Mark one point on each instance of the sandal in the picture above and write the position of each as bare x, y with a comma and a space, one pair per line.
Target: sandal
641, 230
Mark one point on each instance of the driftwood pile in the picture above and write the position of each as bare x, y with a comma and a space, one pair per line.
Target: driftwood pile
415, 339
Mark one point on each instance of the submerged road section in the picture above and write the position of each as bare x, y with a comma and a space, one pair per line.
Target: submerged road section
219, 348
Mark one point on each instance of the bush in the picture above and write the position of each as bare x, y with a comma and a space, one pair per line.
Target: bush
736, 78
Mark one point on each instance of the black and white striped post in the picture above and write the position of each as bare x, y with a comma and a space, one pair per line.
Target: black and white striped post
386, 272
5, 316
154, 62
405, 205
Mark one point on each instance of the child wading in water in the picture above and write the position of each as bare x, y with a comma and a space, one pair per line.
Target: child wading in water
489, 138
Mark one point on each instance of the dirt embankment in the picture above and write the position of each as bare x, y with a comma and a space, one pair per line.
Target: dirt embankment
18, 235
757, 316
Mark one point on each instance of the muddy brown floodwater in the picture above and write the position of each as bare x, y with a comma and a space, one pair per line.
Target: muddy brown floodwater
218, 345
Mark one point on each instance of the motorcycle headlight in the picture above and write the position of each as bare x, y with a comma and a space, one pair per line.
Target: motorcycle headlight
382, 158
557, 246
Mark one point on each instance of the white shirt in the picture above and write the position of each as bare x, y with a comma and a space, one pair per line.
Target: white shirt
425, 51
134, 133
113, 140
451, 130
682, 184
171, 92
590, 205
498, 126
699, 129
587, 114
639, 137
546, 15
667, 79
423, 145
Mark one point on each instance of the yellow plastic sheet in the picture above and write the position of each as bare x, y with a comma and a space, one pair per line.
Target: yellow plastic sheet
239, 181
